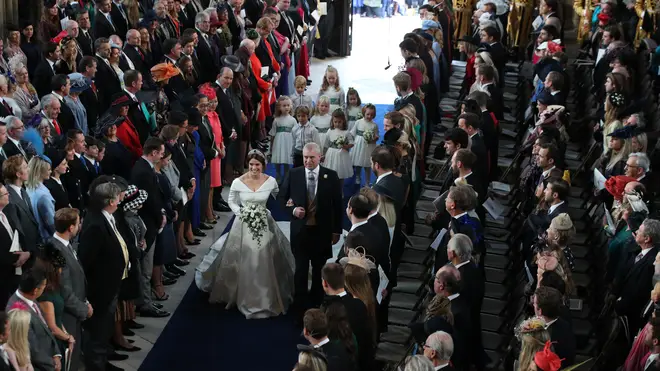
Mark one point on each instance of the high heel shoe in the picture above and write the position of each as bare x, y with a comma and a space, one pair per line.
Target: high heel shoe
163, 297
193, 242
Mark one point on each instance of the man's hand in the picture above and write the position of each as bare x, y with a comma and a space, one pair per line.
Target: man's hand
90, 310
234, 135
384, 293
299, 212
23, 256
335, 238
58, 363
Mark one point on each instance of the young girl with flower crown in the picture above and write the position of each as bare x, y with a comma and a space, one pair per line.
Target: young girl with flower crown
322, 118
331, 89
280, 132
338, 142
353, 107
366, 135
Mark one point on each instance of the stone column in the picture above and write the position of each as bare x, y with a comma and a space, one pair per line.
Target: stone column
8, 15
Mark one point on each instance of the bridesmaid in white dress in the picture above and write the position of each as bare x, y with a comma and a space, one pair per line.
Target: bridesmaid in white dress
337, 157
282, 141
361, 153
322, 119
255, 274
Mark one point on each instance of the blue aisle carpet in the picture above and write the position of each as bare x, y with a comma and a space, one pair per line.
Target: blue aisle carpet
203, 336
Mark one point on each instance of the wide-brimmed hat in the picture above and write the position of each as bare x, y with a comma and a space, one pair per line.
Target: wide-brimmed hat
105, 122
625, 132
49, 3
134, 198
471, 40
392, 136
232, 62
121, 100
164, 71
79, 83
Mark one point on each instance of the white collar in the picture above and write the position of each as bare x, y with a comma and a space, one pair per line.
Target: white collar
549, 323
342, 294
322, 343
46, 117
16, 142
641, 177
441, 367
57, 180
109, 218
62, 240
553, 207
645, 251
407, 95
486, 84
359, 224
76, 154
461, 264
555, 92
29, 302
315, 171
475, 133
17, 189
57, 95
460, 215
373, 214
93, 161
381, 176
546, 172
131, 95
452, 297
51, 63
149, 162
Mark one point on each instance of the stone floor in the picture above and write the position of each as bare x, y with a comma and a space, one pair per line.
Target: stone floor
365, 71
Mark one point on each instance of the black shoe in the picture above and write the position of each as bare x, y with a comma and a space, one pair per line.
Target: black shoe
154, 313
187, 255
125, 349
176, 270
169, 276
198, 233
205, 226
110, 367
194, 242
127, 332
134, 325
181, 263
157, 306
169, 281
309, 82
114, 356
221, 208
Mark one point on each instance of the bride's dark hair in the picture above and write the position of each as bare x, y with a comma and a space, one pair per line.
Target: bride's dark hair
257, 155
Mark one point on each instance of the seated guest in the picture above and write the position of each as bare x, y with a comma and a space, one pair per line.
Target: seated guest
17, 345
613, 161
44, 350
638, 166
315, 330
439, 348
546, 359
547, 305
356, 311
418, 363
43, 204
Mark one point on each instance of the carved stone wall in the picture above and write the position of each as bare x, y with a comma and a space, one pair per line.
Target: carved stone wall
9, 14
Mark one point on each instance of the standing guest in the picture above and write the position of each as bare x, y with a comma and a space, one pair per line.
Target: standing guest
14, 143
15, 171
43, 204
72, 279
91, 158
18, 346
547, 302
215, 164
138, 56
30, 46
89, 97
49, 25
79, 84
166, 249
8, 106
68, 55
44, 351
13, 47
104, 256
211, 152
162, 73
282, 141
25, 94
50, 112
106, 76
54, 182
103, 24
60, 86
45, 70
315, 330
9, 361
77, 180
126, 132
116, 154
228, 110
85, 38
195, 158
10, 239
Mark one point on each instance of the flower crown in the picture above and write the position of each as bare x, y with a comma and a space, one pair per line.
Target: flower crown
530, 325
617, 99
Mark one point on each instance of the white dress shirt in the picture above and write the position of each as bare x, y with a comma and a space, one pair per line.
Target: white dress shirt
17, 189
381, 176
553, 207
359, 224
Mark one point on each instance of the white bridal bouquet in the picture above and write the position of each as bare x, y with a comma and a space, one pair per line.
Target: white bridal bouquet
369, 136
340, 142
255, 216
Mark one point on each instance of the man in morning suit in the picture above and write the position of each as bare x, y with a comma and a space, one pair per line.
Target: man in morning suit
14, 144
138, 56
103, 22
45, 354
152, 213
447, 283
439, 348
72, 278
486, 79
10, 237
312, 195
374, 217
554, 198
15, 171
209, 67
3, 155
85, 37
104, 256
61, 85
45, 70
471, 123
547, 305
105, 77
362, 324
315, 330
229, 111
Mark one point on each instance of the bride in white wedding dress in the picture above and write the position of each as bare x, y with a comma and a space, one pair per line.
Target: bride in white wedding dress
255, 273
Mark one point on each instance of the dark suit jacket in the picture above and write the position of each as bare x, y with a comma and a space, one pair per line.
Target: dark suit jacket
65, 119
479, 149
11, 149
396, 187
42, 78
500, 57
58, 192
72, 287
90, 99
361, 326
207, 141
187, 17
496, 101
86, 42
77, 182
540, 222
206, 56
25, 214
329, 206
338, 358
43, 345
472, 287
179, 159
107, 82
102, 27
144, 177
235, 30
2, 161
8, 278
563, 339
229, 111
463, 333
377, 245
120, 23
380, 224
140, 61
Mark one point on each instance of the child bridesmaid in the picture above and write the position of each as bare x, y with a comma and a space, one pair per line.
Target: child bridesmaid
353, 107
282, 141
321, 119
338, 141
331, 89
366, 135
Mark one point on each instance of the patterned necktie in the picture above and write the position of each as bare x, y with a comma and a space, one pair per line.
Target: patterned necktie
35, 307
638, 257
311, 185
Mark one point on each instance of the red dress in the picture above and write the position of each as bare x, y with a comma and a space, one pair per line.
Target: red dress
265, 88
128, 136
302, 64
216, 176
470, 73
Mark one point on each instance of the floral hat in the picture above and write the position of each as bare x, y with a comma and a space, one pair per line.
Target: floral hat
134, 198
530, 325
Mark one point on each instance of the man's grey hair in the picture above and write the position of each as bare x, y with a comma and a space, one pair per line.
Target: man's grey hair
642, 160
106, 193
418, 363
130, 32
461, 245
652, 230
3, 81
312, 147
201, 17
641, 122
12, 122
115, 40
442, 343
47, 100
246, 42
70, 24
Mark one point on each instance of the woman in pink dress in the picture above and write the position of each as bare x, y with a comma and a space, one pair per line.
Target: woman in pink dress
214, 121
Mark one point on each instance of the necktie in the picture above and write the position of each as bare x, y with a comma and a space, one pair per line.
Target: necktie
311, 185
94, 87
57, 127
83, 162
140, 52
8, 107
639, 257
20, 148
73, 251
107, 16
124, 249
35, 307
2, 153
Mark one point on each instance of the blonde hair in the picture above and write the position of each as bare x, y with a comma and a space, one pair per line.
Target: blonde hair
325, 85
19, 324
322, 99
36, 169
386, 210
643, 141
300, 80
312, 361
532, 340
488, 60
620, 155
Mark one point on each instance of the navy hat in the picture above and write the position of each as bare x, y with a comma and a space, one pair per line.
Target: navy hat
49, 3
544, 97
635, 220
625, 132
471, 40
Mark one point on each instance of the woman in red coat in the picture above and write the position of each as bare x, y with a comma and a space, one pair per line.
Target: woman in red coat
126, 131
265, 87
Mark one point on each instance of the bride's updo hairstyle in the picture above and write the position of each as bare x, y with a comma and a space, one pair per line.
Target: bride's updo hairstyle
255, 154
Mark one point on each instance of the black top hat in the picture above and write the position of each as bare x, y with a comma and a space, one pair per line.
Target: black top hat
232, 62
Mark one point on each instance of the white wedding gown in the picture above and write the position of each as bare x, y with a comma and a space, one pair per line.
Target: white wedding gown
256, 277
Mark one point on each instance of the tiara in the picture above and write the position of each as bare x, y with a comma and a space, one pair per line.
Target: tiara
359, 258
256, 152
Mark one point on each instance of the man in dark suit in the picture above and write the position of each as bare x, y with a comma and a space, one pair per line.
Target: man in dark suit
374, 217
3, 155
15, 171
554, 198
90, 97
315, 330
104, 256
119, 18
205, 54
77, 180
13, 142
134, 52
106, 76
152, 213
439, 348
471, 123
104, 25
547, 303
402, 84
72, 279
61, 86
486, 79
491, 37
447, 283
45, 71
312, 195
10, 237
85, 37
635, 279
235, 27
44, 350
186, 15
229, 111
133, 81
362, 325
